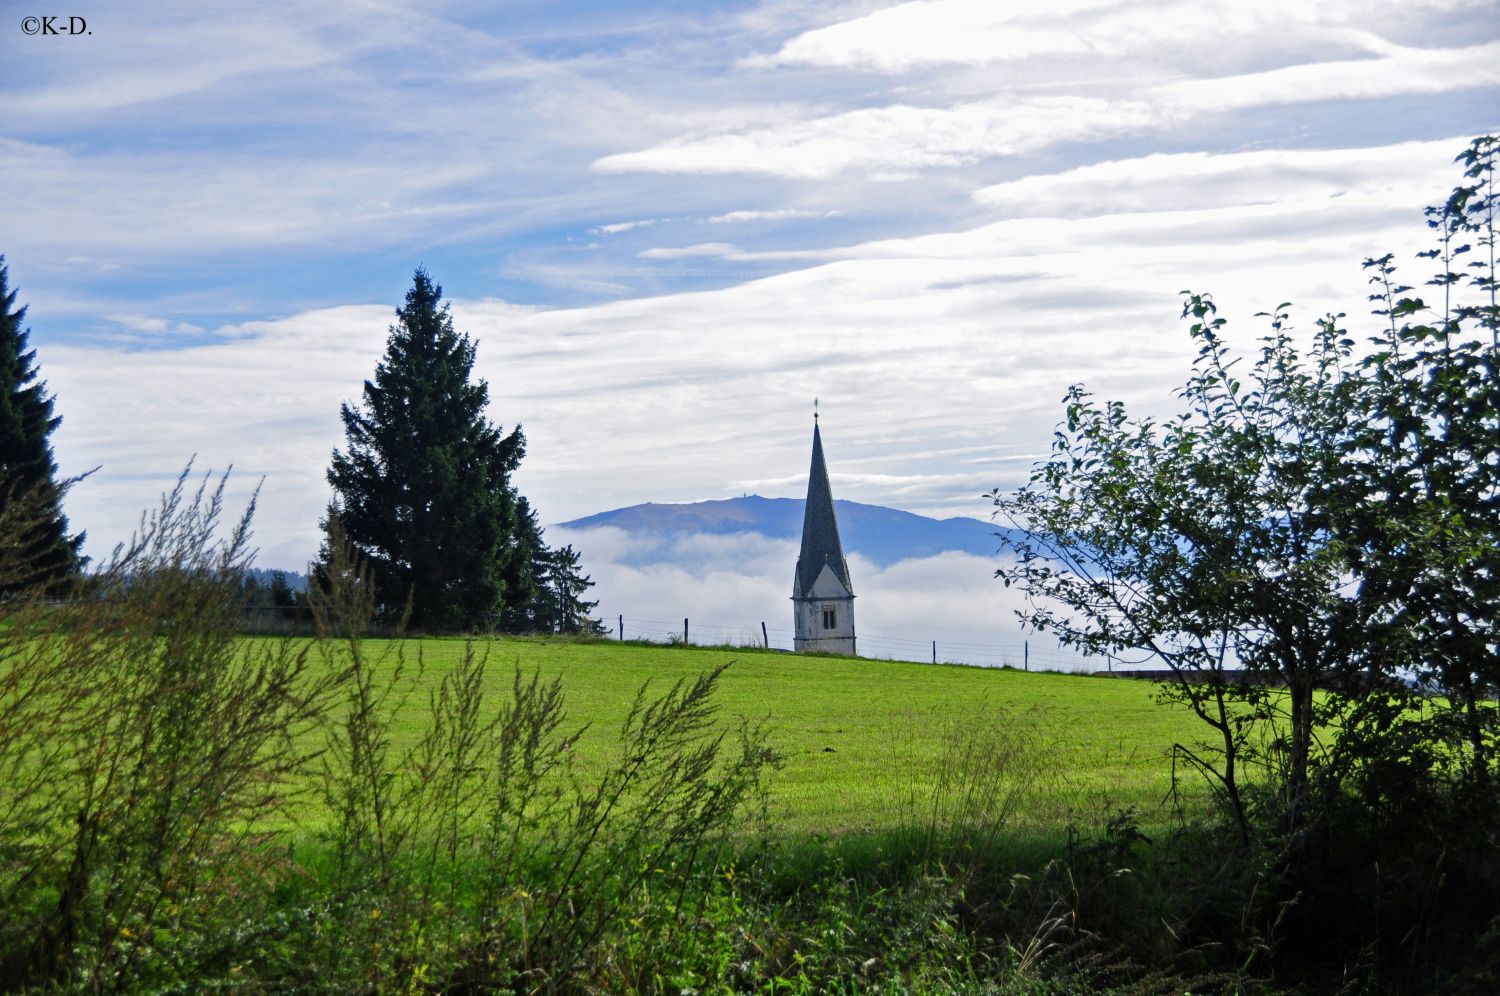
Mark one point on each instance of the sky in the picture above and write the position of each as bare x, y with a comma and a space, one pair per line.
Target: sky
670, 226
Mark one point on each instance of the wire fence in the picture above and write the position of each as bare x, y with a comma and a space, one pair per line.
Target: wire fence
1019, 654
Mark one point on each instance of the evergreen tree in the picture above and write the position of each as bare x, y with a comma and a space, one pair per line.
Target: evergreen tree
562, 595
526, 574
282, 594
45, 554
423, 487
548, 584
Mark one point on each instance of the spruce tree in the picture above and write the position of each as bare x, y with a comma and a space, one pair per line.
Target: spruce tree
527, 566
563, 588
423, 487
40, 553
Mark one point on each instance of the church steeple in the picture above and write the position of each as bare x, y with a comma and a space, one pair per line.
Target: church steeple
820, 527
822, 594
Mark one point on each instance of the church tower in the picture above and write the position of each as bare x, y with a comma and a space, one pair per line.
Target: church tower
822, 597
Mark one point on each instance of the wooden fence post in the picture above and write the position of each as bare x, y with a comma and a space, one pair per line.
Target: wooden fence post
764, 639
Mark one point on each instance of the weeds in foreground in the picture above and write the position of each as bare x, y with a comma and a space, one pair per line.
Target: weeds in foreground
142, 750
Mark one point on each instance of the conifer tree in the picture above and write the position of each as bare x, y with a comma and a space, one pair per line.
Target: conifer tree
43, 553
423, 487
563, 589
548, 584
526, 573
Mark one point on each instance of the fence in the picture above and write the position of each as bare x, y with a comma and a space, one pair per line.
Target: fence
1020, 654
288, 620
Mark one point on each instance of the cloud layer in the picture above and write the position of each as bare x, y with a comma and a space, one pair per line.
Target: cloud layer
939, 359
899, 139
726, 586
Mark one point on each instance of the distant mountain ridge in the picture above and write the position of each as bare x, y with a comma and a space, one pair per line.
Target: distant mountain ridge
883, 535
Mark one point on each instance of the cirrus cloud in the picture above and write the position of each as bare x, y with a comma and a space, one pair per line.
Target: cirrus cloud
900, 139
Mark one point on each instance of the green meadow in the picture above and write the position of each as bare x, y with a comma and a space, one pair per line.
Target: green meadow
862, 743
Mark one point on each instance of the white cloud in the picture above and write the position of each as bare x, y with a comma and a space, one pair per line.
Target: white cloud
1199, 180
186, 201
191, 148
898, 140
892, 141
925, 33
929, 33
150, 326
190, 130
725, 585
952, 599
622, 226
175, 52
682, 252
1404, 71
264, 399
736, 217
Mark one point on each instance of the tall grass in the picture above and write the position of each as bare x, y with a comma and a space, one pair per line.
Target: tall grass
141, 752
147, 758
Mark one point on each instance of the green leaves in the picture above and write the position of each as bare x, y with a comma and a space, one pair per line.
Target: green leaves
1322, 519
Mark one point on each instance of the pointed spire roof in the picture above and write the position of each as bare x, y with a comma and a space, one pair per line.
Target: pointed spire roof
820, 530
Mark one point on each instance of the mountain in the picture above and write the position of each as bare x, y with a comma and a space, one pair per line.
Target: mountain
883, 535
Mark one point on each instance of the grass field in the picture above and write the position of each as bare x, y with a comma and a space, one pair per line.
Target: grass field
861, 739
457, 870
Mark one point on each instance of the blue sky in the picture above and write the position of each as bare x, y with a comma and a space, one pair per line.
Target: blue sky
671, 225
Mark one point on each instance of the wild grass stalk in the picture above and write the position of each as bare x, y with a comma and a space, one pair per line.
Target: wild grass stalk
478, 854
144, 747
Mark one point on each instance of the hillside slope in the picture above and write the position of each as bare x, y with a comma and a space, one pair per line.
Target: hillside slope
858, 739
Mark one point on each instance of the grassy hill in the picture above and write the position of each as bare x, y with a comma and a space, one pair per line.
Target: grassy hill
862, 742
